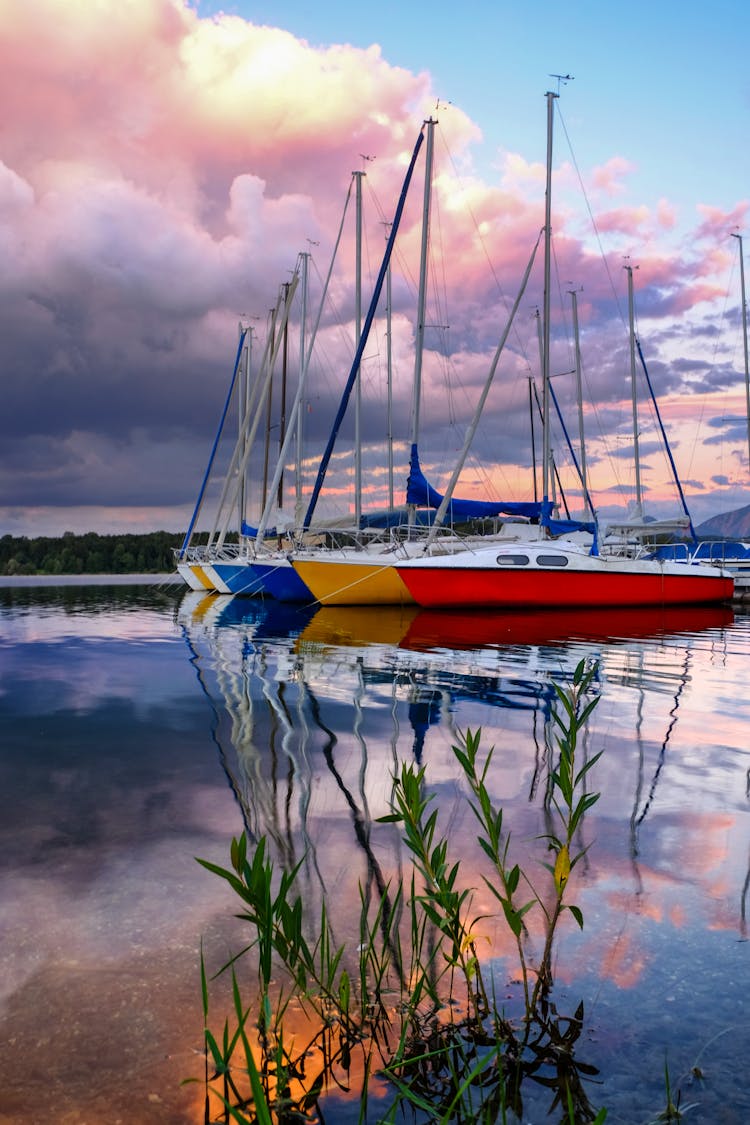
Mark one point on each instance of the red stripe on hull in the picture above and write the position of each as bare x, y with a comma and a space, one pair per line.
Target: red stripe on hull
478, 588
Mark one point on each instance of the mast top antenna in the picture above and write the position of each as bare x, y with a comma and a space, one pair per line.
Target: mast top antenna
562, 79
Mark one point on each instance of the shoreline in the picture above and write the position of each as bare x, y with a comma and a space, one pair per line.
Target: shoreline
17, 580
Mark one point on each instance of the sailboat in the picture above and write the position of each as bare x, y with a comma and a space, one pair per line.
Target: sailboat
226, 566
541, 571
366, 572
254, 567
362, 571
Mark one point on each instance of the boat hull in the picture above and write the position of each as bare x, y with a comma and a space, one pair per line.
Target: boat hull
573, 579
281, 581
203, 582
239, 578
214, 577
188, 576
336, 581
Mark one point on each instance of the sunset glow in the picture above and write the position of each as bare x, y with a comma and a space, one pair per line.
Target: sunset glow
162, 164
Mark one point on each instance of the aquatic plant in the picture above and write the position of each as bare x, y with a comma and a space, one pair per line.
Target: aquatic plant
422, 1019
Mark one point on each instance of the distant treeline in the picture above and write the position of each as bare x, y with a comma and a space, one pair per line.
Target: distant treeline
91, 553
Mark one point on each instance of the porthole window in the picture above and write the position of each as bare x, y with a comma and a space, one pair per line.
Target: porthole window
512, 560
552, 560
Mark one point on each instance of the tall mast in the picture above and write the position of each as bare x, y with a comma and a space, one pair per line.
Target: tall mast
298, 413
357, 336
389, 373
546, 457
634, 395
243, 392
239, 460
533, 442
269, 402
282, 407
326, 458
422, 296
744, 339
297, 407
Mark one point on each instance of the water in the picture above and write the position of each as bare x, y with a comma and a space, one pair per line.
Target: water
143, 727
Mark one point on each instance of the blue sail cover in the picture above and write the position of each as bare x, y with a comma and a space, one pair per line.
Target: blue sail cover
564, 527
717, 551
394, 517
252, 532
421, 493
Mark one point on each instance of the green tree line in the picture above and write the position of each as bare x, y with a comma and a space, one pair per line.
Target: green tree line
150, 553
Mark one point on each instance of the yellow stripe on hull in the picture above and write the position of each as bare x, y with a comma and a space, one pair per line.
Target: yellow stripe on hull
201, 576
352, 583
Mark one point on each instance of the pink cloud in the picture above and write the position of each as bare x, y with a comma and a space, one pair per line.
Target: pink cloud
718, 224
608, 178
666, 215
624, 220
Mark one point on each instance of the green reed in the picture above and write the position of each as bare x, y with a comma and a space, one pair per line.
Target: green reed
422, 1015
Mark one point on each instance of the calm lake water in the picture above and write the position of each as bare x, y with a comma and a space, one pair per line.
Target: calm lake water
143, 726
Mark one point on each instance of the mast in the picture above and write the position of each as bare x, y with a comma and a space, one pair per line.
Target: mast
282, 408
297, 407
243, 390
269, 403
239, 460
546, 457
469, 438
744, 339
325, 460
214, 447
357, 336
389, 373
298, 414
422, 297
533, 441
634, 396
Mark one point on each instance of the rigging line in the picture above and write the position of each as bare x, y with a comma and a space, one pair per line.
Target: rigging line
438, 294
336, 314
397, 256
473, 218
717, 344
519, 342
563, 306
655, 408
438, 297
202, 491
613, 463
591, 215
363, 339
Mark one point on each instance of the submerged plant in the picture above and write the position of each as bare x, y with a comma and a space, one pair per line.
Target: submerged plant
445, 1046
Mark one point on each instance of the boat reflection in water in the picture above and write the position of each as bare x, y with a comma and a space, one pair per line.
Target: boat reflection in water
314, 712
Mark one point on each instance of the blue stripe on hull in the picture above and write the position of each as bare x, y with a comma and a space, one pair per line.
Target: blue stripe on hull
240, 578
281, 581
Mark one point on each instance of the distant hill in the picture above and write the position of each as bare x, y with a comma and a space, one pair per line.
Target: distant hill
727, 525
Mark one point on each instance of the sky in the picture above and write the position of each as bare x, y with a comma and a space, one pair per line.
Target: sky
164, 163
